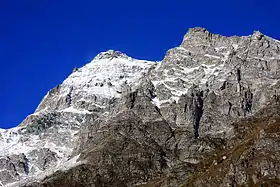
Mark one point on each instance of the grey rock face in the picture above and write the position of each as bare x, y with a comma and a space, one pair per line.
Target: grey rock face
232, 72
12, 167
207, 115
44, 158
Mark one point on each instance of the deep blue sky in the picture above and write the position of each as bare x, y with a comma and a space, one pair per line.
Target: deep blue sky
42, 40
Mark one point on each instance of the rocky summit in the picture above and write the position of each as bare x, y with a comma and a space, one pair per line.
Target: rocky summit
206, 115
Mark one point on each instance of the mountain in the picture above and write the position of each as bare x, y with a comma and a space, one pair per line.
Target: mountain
206, 115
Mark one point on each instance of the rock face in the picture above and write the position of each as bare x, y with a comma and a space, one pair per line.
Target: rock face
207, 115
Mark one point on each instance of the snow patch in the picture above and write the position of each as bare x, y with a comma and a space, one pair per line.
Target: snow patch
106, 76
235, 46
212, 56
226, 56
158, 102
71, 109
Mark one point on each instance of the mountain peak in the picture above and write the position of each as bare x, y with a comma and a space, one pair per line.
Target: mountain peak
257, 35
198, 33
110, 54
197, 30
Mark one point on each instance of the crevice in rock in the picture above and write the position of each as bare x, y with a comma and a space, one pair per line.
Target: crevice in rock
230, 107
276, 96
247, 102
172, 135
197, 111
158, 110
24, 166
69, 97
13, 167
176, 151
152, 94
224, 85
162, 160
132, 97
238, 75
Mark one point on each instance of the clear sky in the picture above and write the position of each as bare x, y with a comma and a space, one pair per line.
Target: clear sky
42, 40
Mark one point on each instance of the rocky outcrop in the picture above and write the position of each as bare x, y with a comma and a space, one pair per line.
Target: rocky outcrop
12, 167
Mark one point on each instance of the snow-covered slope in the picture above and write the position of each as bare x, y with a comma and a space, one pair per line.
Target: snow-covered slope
44, 141
105, 76
94, 85
39, 147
